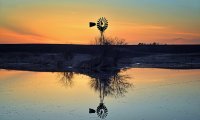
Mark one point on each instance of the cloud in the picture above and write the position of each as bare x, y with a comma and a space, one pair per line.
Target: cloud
151, 27
188, 33
11, 33
141, 26
10, 37
19, 30
184, 41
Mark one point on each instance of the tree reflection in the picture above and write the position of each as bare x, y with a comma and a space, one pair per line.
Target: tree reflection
106, 83
111, 84
66, 78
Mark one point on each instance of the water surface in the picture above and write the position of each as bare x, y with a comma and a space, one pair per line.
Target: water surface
133, 94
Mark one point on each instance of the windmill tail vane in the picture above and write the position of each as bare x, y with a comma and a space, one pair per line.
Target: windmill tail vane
92, 24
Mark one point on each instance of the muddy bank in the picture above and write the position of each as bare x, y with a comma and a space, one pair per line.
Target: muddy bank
78, 62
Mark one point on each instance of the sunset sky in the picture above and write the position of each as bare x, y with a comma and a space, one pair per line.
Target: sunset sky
66, 21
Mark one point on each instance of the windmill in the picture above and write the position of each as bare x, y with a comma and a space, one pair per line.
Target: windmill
102, 25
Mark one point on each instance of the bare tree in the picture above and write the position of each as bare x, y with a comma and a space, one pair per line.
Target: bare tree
109, 41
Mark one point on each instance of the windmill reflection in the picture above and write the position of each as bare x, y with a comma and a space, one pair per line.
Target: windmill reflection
109, 83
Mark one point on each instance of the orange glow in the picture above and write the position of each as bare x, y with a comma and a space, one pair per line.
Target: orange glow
60, 22
27, 85
8, 36
153, 76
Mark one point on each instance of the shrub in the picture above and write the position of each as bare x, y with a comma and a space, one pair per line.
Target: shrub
109, 41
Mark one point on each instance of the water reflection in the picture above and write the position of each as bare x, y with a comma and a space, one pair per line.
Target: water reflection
66, 78
161, 94
105, 83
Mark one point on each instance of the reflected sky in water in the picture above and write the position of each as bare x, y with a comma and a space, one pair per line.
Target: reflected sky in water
147, 94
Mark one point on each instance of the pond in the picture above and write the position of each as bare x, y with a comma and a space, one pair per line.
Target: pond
131, 94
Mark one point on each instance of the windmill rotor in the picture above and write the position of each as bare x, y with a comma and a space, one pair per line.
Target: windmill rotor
102, 24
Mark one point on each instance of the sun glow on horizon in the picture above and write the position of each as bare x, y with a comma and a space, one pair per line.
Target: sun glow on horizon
172, 22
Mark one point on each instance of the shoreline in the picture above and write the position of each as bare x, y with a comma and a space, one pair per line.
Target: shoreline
63, 57
59, 63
